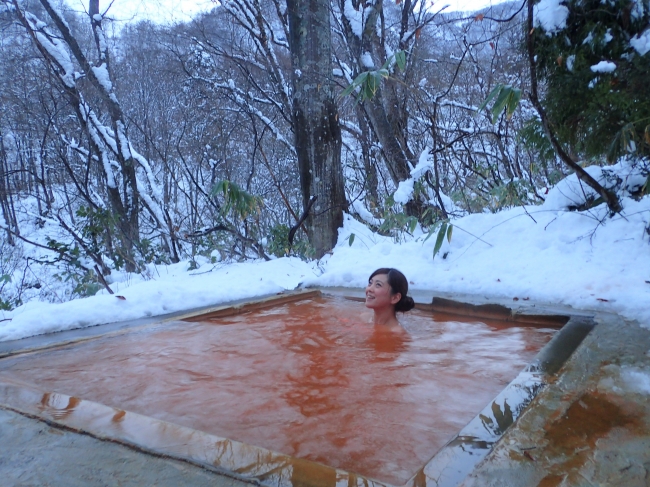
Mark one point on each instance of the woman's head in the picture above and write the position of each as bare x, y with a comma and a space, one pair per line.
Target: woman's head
398, 285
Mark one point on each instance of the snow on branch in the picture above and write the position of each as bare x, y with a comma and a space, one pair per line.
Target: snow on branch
604, 67
101, 73
641, 42
354, 18
54, 48
550, 15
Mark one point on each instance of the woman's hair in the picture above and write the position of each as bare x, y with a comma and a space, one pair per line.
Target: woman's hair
398, 284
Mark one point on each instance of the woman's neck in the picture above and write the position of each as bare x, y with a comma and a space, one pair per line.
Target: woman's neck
385, 317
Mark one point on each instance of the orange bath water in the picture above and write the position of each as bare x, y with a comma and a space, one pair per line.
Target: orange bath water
309, 379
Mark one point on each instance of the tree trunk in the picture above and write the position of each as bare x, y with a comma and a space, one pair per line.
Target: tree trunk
315, 121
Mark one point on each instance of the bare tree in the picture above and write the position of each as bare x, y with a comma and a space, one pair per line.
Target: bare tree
315, 120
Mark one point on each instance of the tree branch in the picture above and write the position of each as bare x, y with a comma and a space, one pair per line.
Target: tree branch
608, 196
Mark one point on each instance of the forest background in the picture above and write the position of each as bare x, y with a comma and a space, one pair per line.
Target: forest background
227, 138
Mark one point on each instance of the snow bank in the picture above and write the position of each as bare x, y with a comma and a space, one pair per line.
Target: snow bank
583, 259
175, 289
579, 259
570, 193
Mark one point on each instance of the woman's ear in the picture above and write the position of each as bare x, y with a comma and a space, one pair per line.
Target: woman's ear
395, 298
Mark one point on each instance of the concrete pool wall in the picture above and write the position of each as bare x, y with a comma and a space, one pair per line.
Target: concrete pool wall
464, 459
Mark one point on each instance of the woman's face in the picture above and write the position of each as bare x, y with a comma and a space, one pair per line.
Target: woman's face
378, 293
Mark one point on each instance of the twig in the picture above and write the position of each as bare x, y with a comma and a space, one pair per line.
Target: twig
100, 276
305, 214
526, 211
477, 238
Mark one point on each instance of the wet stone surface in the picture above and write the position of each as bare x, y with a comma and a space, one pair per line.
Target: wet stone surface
32, 453
590, 427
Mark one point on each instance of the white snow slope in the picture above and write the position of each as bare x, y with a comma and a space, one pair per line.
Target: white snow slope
546, 253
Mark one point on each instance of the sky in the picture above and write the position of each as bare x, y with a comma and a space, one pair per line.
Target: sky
183, 10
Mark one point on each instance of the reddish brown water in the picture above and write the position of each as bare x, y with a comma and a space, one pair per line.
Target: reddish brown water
308, 379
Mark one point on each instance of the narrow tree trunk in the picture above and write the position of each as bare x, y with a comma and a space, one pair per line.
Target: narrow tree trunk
5, 199
369, 167
315, 121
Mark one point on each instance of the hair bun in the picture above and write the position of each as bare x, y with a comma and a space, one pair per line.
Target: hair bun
405, 304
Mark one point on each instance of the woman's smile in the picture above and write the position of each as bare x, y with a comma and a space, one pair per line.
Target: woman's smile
379, 293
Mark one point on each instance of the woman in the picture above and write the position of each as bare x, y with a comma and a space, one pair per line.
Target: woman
386, 294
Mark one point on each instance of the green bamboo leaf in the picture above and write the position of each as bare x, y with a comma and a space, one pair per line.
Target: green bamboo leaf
358, 81
439, 239
412, 224
507, 98
235, 199
492, 94
371, 85
430, 233
351, 239
450, 230
513, 101
400, 60
348, 90
501, 102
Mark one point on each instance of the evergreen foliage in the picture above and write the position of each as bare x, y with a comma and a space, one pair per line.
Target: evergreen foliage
598, 109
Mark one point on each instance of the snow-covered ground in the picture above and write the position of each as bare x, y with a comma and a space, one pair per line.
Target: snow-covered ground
544, 253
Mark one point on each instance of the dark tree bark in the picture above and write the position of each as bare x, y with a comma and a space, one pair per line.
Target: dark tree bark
315, 120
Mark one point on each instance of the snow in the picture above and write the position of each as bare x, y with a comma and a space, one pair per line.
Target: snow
604, 67
405, 188
545, 254
637, 9
174, 289
101, 73
625, 379
550, 16
608, 36
572, 192
636, 379
57, 12
404, 191
360, 209
570, 62
641, 42
54, 48
366, 60
355, 18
